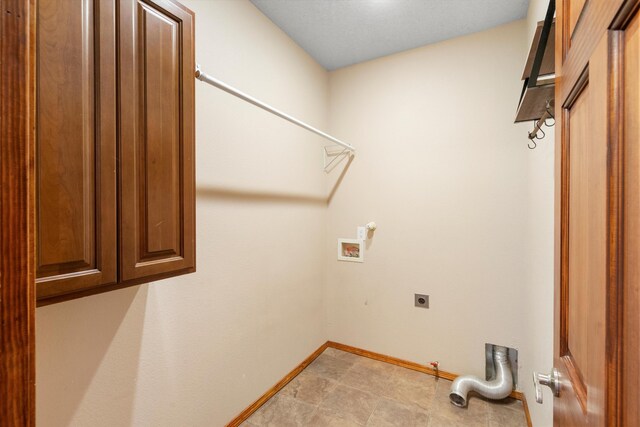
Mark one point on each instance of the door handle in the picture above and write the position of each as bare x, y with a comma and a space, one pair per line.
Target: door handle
551, 380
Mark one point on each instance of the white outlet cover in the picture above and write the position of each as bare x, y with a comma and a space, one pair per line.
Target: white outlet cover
362, 233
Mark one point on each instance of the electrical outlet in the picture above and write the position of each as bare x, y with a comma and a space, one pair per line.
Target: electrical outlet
421, 301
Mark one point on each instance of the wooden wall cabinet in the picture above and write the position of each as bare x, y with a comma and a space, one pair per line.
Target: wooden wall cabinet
115, 156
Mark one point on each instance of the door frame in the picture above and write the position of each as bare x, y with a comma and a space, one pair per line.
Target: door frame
611, 19
17, 213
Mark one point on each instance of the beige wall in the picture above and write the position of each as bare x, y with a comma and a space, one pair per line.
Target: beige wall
461, 205
540, 259
196, 350
464, 209
444, 172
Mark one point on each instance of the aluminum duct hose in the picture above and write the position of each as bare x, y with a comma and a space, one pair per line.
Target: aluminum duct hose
498, 388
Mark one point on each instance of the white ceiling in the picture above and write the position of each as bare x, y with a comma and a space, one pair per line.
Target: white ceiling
338, 33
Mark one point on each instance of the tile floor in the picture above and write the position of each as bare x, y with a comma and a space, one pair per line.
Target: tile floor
343, 389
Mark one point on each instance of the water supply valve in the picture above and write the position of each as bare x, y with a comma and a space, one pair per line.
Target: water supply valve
436, 366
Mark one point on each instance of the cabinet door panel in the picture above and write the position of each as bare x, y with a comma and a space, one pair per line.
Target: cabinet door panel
75, 131
157, 139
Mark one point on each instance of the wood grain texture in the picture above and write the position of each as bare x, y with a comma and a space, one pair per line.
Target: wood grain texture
575, 11
157, 140
574, 49
629, 297
534, 103
76, 146
588, 234
581, 356
615, 233
276, 388
116, 152
160, 165
527, 414
599, 50
81, 293
579, 236
65, 135
17, 214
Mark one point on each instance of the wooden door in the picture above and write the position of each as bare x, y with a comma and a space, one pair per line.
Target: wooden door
157, 183
582, 341
597, 184
629, 51
76, 146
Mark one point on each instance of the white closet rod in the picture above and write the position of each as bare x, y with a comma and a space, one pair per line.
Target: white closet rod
204, 77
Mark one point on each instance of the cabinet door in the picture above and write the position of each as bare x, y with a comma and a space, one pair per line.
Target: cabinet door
157, 181
76, 148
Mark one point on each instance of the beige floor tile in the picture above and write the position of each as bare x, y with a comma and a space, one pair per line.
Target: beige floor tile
342, 355
507, 420
329, 367
384, 380
349, 403
378, 366
341, 389
419, 393
390, 413
438, 420
308, 387
370, 379
393, 382
507, 413
508, 403
325, 419
282, 411
411, 375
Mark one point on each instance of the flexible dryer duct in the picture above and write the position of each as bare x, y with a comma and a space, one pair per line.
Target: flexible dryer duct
498, 388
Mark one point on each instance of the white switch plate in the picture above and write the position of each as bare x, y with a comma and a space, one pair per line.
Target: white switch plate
362, 233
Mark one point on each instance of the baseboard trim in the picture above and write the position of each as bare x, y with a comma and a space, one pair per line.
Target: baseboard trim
276, 388
360, 352
523, 398
393, 360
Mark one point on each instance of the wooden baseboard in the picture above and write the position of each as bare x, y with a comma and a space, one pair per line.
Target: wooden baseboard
393, 360
526, 409
360, 352
276, 388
